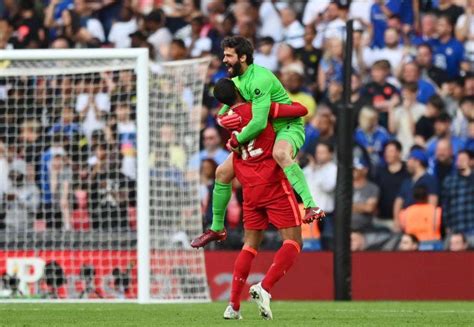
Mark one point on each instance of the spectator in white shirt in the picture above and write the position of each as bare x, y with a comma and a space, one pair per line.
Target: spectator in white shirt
120, 32
334, 25
160, 37
402, 119
313, 9
127, 140
465, 24
91, 105
4, 181
321, 176
270, 21
393, 51
464, 115
293, 30
360, 9
198, 44
265, 55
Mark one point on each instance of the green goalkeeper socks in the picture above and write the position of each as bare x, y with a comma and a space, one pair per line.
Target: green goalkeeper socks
220, 198
296, 177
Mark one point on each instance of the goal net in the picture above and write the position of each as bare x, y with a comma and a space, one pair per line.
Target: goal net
96, 198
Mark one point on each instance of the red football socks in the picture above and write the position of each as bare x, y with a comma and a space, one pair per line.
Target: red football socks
282, 262
241, 272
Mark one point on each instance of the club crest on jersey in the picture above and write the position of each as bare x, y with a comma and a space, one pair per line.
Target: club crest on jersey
257, 91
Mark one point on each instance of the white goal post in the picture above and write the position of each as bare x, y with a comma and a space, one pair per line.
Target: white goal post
99, 202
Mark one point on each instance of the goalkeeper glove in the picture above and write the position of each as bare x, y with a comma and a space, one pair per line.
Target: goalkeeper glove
231, 122
232, 144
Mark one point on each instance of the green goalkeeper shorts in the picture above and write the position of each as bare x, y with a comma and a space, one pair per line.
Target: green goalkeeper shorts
293, 133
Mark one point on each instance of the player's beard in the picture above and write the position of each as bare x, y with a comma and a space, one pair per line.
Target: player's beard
236, 69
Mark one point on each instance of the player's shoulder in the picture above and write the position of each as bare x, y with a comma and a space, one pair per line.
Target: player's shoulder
264, 72
261, 77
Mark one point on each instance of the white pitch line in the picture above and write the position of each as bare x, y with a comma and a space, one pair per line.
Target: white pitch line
404, 311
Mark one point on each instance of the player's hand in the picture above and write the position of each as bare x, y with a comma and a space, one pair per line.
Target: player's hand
231, 122
232, 144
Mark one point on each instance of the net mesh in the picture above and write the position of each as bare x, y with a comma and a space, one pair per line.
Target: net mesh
177, 270
68, 180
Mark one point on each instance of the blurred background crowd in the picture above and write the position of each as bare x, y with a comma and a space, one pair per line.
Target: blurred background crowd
412, 93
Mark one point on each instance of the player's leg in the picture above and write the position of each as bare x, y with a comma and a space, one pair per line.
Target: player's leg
220, 198
222, 193
288, 141
242, 265
285, 256
283, 213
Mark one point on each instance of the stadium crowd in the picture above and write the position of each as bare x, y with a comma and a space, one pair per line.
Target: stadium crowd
412, 94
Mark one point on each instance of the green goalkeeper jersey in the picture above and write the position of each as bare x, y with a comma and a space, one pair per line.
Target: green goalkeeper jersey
261, 87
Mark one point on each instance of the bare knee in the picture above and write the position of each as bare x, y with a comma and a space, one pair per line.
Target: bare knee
253, 238
224, 174
283, 153
292, 234
282, 157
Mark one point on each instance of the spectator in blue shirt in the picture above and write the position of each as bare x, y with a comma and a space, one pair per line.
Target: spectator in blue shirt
428, 30
442, 129
66, 125
378, 20
371, 135
416, 165
50, 214
458, 197
411, 73
381, 11
448, 53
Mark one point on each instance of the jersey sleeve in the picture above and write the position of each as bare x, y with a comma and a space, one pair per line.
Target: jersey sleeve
223, 109
294, 110
260, 89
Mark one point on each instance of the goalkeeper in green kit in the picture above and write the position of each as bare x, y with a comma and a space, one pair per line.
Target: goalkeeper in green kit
261, 87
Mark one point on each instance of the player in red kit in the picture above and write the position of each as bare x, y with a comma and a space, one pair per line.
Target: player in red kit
268, 198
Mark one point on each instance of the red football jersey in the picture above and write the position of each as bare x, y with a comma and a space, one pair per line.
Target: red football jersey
256, 166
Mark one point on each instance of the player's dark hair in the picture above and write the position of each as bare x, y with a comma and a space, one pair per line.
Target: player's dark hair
395, 143
241, 45
225, 92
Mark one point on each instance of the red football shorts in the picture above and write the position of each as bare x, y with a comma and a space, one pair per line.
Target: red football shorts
271, 203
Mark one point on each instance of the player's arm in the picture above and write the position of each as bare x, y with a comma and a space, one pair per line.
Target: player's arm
223, 110
294, 110
261, 100
277, 110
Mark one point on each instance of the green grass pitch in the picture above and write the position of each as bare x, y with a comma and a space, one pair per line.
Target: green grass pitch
285, 314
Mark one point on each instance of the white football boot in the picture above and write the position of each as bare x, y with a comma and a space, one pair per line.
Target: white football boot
262, 299
230, 313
